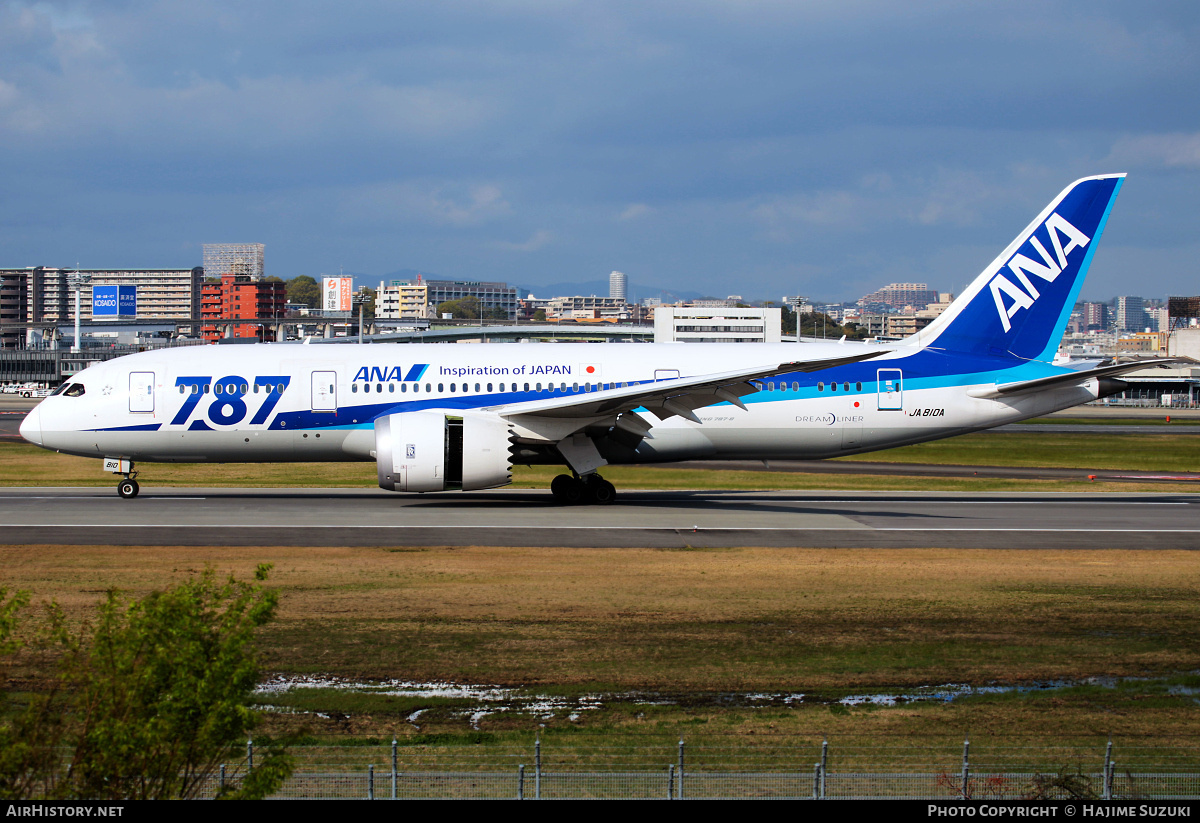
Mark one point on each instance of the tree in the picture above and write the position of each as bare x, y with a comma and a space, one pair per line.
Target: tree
304, 290
368, 295
30, 737
465, 308
540, 315
157, 699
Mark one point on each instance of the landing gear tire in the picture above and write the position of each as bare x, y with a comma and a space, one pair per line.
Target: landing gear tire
128, 488
601, 491
566, 489
572, 491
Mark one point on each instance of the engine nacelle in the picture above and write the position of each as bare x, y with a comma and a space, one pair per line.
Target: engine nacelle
440, 449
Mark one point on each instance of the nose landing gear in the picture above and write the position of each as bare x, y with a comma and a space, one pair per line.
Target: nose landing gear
573, 491
128, 487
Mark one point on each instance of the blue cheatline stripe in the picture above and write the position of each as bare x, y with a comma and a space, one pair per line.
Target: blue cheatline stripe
149, 427
416, 372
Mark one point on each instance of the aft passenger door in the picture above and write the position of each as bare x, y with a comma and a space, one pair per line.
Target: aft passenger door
324, 391
891, 389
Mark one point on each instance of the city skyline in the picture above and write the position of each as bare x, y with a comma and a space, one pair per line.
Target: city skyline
821, 150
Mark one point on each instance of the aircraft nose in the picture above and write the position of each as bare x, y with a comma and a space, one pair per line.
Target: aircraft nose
31, 426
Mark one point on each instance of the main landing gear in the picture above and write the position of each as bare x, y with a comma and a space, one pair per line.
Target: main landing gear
591, 488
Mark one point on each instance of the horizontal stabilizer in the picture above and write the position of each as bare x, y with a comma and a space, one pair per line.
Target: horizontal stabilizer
1072, 378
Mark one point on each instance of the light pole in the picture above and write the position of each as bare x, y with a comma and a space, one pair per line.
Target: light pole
360, 300
77, 282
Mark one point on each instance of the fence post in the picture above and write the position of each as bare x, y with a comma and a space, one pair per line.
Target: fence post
679, 790
1108, 784
537, 768
966, 769
370, 781
249, 755
221, 785
816, 781
521, 782
1107, 771
394, 762
670, 781
824, 766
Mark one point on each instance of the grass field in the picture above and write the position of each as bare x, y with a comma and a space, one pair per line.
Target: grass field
715, 637
714, 643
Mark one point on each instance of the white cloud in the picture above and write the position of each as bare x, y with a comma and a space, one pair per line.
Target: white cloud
1157, 150
782, 216
8, 94
540, 238
443, 205
483, 203
634, 211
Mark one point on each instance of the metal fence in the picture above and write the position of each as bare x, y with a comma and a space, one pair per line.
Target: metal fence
707, 772
671, 785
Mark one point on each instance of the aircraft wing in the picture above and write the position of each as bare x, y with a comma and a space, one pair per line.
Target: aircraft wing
1074, 377
667, 398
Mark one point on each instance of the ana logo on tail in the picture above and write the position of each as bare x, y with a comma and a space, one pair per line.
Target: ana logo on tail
1022, 266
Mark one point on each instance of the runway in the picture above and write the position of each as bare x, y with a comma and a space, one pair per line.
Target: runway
655, 519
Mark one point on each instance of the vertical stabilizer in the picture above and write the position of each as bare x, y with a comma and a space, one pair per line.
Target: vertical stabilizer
1020, 304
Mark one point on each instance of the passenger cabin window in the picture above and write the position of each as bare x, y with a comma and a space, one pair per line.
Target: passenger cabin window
820, 385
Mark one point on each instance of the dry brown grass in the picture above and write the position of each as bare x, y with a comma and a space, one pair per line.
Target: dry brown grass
713, 620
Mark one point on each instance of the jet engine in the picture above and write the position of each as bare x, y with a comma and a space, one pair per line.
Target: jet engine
440, 449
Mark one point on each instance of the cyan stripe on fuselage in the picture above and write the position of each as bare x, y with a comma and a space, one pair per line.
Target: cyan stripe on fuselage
923, 369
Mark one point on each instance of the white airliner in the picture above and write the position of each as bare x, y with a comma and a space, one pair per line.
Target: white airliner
436, 417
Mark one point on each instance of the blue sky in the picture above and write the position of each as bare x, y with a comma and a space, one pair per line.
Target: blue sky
756, 148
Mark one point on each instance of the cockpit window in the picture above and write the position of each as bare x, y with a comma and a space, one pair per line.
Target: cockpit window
69, 390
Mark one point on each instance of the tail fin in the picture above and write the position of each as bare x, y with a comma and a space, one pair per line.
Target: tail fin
1020, 304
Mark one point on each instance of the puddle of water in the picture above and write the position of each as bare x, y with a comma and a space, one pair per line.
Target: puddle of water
494, 699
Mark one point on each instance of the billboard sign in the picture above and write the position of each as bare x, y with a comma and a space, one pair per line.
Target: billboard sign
336, 294
114, 301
